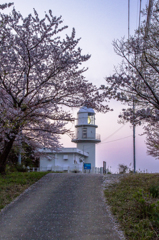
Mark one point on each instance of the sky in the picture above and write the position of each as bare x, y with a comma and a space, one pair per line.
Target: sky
98, 23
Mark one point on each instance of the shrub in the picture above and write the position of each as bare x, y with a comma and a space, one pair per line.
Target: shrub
154, 191
123, 168
143, 206
21, 168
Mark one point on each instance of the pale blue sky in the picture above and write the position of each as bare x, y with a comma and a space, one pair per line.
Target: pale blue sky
98, 23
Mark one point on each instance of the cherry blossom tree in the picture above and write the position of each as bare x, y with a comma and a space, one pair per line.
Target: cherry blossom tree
40, 78
5, 5
137, 78
152, 139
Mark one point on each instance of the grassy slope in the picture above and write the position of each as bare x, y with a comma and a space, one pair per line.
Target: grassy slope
136, 209
13, 184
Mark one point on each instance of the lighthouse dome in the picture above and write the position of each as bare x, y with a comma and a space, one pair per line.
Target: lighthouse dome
86, 116
84, 109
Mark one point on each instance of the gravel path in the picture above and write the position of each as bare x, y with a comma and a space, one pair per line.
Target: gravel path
59, 207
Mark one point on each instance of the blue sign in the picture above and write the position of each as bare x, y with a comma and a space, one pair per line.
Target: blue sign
87, 165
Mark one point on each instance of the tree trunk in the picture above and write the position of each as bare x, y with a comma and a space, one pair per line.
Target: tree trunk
4, 154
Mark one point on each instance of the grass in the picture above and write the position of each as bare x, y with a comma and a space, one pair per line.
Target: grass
13, 184
135, 202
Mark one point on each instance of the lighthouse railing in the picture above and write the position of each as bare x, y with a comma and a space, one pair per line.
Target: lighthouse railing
97, 136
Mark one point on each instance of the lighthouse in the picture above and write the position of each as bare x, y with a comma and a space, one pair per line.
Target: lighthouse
86, 136
72, 159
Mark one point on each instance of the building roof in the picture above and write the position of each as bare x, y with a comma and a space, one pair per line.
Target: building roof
84, 109
64, 150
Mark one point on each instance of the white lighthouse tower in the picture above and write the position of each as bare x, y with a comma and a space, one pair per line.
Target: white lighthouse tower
86, 137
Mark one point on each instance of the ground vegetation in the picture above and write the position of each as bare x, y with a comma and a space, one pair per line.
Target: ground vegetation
13, 184
134, 200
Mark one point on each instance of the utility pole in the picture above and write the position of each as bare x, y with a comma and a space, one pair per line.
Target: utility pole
139, 18
19, 155
134, 149
20, 140
150, 7
128, 20
146, 34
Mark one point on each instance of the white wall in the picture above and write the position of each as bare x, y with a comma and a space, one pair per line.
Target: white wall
91, 130
64, 163
47, 161
90, 148
50, 161
82, 118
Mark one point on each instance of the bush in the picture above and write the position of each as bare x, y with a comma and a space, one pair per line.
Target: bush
123, 168
143, 205
154, 191
21, 168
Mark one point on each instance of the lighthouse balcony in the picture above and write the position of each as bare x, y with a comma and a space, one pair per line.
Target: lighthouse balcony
84, 138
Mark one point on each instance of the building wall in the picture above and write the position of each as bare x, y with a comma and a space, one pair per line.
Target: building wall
47, 161
65, 163
83, 118
50, 161
90, 132
90, 148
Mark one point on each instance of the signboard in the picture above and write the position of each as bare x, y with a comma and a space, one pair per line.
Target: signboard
87, 165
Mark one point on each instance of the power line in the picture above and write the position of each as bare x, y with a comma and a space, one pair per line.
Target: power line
113, 133
117, 139
88, 148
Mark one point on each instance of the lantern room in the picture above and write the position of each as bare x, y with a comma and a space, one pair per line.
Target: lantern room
86, 116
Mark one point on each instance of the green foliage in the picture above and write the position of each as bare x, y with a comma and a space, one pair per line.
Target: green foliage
10, 168
27, 158
13, 184
135, 207
13, 156
145, 208
15, 168
21, 168
154, 191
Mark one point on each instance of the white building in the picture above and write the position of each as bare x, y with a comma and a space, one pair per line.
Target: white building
72, 159
86, 136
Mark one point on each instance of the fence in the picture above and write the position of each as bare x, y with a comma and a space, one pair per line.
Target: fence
75, 169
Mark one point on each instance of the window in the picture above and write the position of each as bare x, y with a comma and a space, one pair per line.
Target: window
84, 133
91, 118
